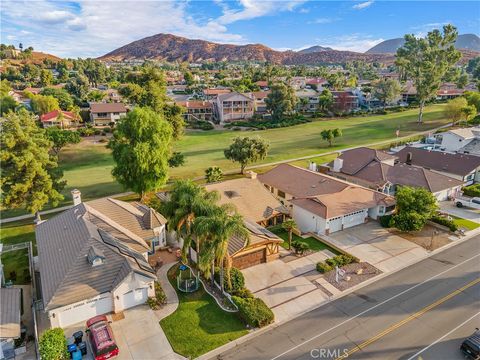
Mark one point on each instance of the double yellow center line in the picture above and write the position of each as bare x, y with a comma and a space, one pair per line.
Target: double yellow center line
408, 319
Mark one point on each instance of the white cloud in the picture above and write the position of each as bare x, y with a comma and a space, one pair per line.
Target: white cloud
422, 30
352, 42
362, 5
323, 21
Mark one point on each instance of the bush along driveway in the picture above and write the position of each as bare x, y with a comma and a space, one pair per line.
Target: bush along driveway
199, 325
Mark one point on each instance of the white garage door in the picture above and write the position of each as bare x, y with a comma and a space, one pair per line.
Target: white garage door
86, 310
355, 218
135, 297
335, 224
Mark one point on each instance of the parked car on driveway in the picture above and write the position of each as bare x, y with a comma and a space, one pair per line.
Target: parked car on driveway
469, 202
101, 338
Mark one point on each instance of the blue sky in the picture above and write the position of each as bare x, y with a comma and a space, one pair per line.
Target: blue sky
93, 28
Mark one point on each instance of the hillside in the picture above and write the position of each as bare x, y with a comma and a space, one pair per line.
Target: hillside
466, 41
313, 49
168, 47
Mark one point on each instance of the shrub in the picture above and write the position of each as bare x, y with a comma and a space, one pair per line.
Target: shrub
323, 268
472, 190
159, 293
338, 260
253, 311
445, 222
236, 278
97, 131
385, 220
300, 247
53, 345
243, 293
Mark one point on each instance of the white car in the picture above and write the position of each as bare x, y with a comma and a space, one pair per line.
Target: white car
469, 202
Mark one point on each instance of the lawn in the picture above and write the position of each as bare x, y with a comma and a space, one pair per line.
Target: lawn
313, 243
199, 325
87, 166
17, 261
465, 224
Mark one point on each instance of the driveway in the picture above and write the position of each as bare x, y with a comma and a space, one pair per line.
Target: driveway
138, 336
373, 244
464, 213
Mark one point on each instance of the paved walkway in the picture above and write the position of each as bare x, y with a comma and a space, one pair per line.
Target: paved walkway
170, 293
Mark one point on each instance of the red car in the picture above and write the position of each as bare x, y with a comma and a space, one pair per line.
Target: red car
101, 338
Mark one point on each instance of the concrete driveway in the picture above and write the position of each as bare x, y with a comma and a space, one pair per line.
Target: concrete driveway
464, 213
375, 245
138, 336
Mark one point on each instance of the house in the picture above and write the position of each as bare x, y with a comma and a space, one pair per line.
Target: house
259, 97
93, 258
211, 94
321, 203
106, 113
308, 100
344, 101
462, 167
10, 321
377, 170
233, 106
197, 110
112, 95
454, 140
263, 85
60, 118
33, 90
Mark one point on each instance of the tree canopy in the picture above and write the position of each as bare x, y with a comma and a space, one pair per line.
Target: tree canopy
245, 150
141, 148
61, 138
281, 100
30, 178
386, 90
453, 109
330, 134
428, 61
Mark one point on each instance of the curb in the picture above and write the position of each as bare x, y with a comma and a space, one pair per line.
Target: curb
253, 333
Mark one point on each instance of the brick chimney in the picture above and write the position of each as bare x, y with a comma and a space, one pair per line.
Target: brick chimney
77, 197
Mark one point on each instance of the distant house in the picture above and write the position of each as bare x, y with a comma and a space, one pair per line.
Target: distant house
233, 106
259, 97
455, 140
197, 110
344, 101
212, 94
106, 113
112, 95
462, 167
323, 204
262, 84
33, 90
377, 170
10, 317
308, 100
93, 259
60, 118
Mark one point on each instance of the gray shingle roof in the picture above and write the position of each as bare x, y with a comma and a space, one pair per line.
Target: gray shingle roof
66, 275
9, 313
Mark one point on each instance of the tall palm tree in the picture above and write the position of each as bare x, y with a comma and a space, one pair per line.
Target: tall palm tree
289, 226
218, 228
187, 201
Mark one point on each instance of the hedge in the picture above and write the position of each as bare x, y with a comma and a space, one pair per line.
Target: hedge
445, 222
472, 190
385, 220
254, 311
53, 345
339, 260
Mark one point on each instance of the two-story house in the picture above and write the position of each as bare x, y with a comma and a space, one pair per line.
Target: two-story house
233, 106
106, 113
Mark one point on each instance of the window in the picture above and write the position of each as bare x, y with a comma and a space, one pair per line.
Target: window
470, 177
281, 194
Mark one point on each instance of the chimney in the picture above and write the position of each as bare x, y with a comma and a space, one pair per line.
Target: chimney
409, 158
77, 197
251, 174
337, 164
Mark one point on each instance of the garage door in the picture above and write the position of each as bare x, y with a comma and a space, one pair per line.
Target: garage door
355, 218
335, 224
135, 297
86, 310
247, 260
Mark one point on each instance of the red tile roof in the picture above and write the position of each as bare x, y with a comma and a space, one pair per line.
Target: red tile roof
55, 113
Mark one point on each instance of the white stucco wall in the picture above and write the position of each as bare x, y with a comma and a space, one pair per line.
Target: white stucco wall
131, 282
453, 142
307, 221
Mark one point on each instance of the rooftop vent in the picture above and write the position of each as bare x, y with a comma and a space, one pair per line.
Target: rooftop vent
95, 256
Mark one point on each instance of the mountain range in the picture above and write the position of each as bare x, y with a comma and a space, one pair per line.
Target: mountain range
167, 47
465, 41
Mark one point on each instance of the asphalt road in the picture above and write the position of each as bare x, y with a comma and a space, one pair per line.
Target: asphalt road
421, 312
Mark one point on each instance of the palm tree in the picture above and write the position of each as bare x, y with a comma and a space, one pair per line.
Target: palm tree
289, 226
187, 201
217, 229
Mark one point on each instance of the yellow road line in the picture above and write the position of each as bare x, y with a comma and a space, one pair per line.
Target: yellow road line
408, 319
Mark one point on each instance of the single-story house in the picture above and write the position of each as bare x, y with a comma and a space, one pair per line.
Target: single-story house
454, 140
93, 259
10, 321
462, 167
62, 119
321, 203
106, 113
377, 170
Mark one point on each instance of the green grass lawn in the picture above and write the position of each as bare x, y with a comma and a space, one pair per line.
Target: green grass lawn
17, 261
313, 243
464, 223
88, 166
199, 325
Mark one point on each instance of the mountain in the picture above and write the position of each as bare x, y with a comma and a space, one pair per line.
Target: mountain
314, 49
167, 47
465, 41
